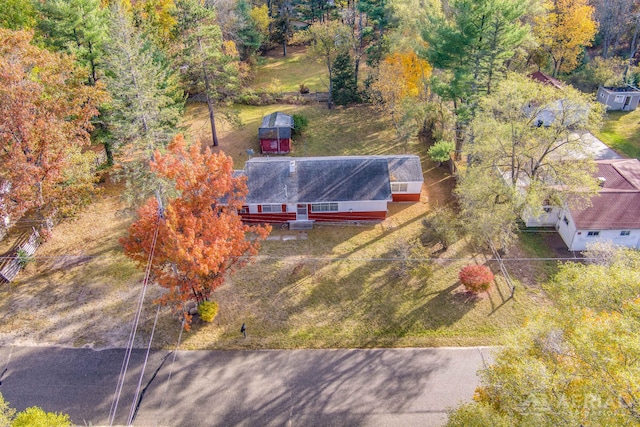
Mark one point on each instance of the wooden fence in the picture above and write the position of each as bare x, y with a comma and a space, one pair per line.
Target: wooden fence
311, 96
10, 263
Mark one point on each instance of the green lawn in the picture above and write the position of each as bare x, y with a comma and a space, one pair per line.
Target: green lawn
621, 131
336, 286
291, 71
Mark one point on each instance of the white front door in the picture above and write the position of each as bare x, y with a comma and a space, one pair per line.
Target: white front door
301, 212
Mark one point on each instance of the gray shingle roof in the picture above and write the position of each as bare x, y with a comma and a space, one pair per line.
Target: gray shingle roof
405, 168
319, 179
276, 125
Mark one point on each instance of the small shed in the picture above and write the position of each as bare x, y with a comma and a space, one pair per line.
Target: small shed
275, 133
619, 98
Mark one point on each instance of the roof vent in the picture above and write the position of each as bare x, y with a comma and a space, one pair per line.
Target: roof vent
292, 167
601, 181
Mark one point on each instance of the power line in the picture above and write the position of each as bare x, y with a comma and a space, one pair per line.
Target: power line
134, 327
135, 403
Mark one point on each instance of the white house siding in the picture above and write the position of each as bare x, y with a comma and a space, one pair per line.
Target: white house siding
566, 229
582, 239
547, 219
362, 206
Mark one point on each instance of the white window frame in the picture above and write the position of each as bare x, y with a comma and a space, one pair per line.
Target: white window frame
271, 208
619, 99
324, 207
399, 187
593, 233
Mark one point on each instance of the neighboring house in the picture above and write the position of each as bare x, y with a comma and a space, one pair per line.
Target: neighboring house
619, 98
594, 149
560, 108
329, 189
275, 133
614, 214
548, 80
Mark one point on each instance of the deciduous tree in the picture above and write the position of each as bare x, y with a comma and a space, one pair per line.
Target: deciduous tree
400, 90
200, 236
575, 363
564, 31
527, 152
17, 14
45, 119
330, 39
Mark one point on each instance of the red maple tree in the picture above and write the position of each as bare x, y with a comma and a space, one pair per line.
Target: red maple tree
45, 113
200, 236
476, 278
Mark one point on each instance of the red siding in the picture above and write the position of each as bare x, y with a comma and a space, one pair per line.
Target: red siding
269, 217
320, 217
348, 216
274, 146
405, 197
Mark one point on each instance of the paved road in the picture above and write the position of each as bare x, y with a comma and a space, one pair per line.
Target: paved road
385, 387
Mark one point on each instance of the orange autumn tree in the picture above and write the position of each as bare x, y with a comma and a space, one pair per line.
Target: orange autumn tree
45, 119
564, 30
200, 236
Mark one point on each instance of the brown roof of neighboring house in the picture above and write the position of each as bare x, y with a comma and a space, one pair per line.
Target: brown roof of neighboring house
543, 78
618, 204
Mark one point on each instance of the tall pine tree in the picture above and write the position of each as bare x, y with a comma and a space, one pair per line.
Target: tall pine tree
472, 44
79, 27
210, 67
146, 102
345, 90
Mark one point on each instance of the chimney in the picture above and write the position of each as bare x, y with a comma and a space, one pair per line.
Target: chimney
292, 167
601, 181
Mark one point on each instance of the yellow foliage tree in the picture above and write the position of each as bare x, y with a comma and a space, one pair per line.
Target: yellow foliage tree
401, 84
566, 27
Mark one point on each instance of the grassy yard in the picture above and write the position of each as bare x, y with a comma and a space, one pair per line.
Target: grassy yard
333, 286
291, 71
621, 131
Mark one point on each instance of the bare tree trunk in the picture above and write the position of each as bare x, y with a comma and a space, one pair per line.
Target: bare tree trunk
212, 120
632, 50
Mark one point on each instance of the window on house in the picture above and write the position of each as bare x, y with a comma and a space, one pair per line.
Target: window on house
593, 233
625, 232
547, 209
271, 208
619, 98
324, 207
566, 220
244, 210
399, 187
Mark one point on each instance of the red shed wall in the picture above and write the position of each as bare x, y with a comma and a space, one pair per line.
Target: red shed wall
273, 146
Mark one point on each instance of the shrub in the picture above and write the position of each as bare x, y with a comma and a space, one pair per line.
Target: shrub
441, 151
476, 278
23, 258
300, 124
207, 310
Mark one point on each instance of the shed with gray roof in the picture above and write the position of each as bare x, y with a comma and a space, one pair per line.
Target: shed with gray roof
275, 133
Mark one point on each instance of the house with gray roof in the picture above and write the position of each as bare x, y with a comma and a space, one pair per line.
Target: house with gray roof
329, 189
